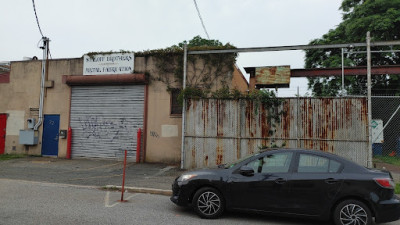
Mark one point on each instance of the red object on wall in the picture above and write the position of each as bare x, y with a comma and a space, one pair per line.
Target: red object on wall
137, 78
138, 145
3, 123
5, 78
69, 141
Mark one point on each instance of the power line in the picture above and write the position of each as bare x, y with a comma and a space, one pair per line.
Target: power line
202, 23
37, 20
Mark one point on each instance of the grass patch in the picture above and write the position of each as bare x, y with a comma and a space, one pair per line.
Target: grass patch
388, 159
397, 189
11, 156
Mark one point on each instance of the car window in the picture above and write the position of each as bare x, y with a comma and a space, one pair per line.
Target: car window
273, 163
334, 166
232, 164
317, 164
256, 165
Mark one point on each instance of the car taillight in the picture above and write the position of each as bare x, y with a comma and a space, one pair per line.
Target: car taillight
385, 182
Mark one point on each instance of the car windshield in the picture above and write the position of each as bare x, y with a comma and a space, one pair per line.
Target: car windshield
232, 164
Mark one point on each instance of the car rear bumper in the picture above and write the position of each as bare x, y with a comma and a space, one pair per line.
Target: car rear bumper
388, 210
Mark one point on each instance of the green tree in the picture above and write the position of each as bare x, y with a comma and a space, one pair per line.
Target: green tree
198, 41
382, 19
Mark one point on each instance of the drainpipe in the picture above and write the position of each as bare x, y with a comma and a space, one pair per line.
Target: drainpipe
184, 107
44, 61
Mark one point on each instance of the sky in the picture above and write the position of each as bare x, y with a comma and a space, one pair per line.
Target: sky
76, 27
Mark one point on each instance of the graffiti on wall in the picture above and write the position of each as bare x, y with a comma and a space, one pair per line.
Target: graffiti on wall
100, 128
154, 134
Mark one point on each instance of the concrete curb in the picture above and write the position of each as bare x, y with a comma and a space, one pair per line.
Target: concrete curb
141, 190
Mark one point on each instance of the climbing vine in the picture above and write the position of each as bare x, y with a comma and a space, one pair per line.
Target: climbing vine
203, 70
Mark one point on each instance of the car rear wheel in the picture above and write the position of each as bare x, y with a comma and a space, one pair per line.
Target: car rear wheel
352, 212
208, 203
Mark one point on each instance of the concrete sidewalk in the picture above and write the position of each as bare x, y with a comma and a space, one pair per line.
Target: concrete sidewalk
143, 177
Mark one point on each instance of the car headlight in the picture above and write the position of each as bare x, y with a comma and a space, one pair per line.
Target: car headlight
186, 177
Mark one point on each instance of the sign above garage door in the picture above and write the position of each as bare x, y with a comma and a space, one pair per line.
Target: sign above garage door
106, 64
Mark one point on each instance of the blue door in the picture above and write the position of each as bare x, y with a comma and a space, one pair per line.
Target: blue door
51, 126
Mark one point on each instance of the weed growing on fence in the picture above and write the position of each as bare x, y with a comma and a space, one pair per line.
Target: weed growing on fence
388, 159
273, 145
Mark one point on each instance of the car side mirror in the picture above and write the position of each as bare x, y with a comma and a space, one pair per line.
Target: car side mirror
246, 171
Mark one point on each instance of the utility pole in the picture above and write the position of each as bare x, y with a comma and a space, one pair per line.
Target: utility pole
45, 49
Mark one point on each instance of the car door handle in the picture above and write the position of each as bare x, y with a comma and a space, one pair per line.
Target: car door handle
280, 181
331, 181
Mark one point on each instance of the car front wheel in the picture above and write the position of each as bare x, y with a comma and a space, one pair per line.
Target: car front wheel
208, 203
352, 212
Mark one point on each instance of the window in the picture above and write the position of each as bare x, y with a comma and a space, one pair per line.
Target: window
317, 164
334, 166
176, 108
274, 163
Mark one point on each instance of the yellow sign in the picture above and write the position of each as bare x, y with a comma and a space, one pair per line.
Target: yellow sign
273, 76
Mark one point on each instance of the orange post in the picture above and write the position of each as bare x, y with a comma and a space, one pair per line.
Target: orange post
138, 145
123, 179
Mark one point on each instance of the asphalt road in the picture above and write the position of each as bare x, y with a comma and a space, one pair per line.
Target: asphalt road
27, 202
91, 172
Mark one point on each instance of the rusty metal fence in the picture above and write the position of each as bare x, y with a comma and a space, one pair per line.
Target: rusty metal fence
222, 131
386, 127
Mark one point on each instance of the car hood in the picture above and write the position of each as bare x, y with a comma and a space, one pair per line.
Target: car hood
205, 171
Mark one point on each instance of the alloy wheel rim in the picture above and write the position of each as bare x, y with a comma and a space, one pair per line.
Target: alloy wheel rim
209, 203
353, 214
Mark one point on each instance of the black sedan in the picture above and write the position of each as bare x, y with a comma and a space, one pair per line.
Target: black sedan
295, 183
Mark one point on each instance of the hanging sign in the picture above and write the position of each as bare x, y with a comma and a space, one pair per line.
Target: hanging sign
272, 76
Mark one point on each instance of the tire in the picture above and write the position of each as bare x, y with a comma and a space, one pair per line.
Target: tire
208, 203
352, 212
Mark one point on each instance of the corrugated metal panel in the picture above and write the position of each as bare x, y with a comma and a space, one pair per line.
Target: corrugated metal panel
337, 125
220, 131
105, 120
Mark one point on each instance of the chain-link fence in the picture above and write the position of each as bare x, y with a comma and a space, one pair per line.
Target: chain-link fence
386, 128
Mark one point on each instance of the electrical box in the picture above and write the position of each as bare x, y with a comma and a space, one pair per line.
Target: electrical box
63, 134
28, 137
31, 123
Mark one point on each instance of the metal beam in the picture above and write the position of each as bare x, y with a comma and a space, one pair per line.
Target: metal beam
293, 47
350, 71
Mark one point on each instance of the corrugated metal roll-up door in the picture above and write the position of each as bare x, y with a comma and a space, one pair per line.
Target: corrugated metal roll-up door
105, 120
